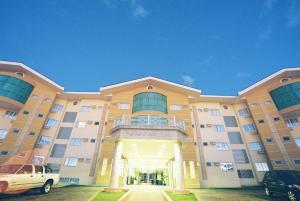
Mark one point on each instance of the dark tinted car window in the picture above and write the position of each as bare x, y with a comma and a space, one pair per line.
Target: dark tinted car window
48, 170
289, 177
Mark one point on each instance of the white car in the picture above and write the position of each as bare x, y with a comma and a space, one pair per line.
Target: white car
17, 177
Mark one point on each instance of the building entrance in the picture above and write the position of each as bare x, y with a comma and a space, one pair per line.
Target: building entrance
142, 176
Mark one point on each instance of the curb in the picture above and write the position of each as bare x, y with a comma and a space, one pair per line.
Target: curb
165, 196
125, 196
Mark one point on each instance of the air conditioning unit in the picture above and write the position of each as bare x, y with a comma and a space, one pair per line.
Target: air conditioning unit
85, 139
254, 133
205, 109
89, 122
93, 106
80, 159
216, 163
208, 125
212, 143
200, 110
261, 152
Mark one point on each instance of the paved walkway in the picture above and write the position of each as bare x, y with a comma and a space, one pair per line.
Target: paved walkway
146, 193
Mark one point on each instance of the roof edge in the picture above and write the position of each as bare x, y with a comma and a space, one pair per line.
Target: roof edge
264, 80
33, 72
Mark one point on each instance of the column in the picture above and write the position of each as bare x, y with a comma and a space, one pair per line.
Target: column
178, 167
114, 179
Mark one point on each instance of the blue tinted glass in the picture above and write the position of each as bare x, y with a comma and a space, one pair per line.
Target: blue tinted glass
14, 88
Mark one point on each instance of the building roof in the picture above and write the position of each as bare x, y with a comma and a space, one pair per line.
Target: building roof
286, 72
19, 67
150, 81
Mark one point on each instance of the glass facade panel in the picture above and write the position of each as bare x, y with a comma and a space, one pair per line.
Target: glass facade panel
149, 120
14, 88
286, 96
149, 101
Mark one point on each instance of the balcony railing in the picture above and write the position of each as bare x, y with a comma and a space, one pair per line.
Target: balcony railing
149, 121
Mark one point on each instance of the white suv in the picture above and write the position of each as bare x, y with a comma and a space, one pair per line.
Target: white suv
18, 177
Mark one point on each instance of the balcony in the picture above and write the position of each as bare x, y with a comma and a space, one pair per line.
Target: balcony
149, 121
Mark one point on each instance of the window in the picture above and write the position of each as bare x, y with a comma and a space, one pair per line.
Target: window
10, 115
32, 133
57, 107
208, 164
96, 123
3, 133
297, 162
38, 160
14, 88
70, 117
45, 140
16, 131
235, 138
214, 112
25, 112
150, 101
38, 169
269, 140
26, 169
286, 96
244, 112
4, 153
76, 141
69, 180
40, 116
85, 108
249, 128
276, 119
230, 121
247, 173
64, 132
93, 140
192, 170
222, 146
286, 138
225, 107
202, 126
81, 124
292, 122
261, 121
240, 156
71, 161
218, 128
48, 170
123, 106
48, 100
205, 143
50, 123
254, 146
262, 167
55, 167
278, 162
176, 107
297, 141
226, 167
58, 151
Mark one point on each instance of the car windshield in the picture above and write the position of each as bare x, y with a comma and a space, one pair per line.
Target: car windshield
9, 169
291, 177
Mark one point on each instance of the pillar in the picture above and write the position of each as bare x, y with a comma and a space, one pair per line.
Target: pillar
178, 167
114, 179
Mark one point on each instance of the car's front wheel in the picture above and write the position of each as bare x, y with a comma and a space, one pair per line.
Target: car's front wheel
268, 192
46, 188
292, 196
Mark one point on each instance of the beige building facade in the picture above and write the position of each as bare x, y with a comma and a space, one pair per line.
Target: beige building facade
150, 131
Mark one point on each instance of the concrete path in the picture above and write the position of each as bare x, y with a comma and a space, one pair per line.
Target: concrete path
146, 193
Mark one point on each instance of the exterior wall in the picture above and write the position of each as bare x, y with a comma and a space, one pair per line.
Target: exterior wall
20, 145
184, 115
262, 108
214, 176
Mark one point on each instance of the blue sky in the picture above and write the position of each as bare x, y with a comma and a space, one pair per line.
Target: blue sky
217, 46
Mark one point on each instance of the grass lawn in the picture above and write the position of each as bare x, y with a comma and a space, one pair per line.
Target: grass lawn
182, 197
108, 196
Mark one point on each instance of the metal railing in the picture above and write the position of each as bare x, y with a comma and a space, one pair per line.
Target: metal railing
149, 121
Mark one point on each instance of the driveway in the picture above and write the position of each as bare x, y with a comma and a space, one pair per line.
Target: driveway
72, 193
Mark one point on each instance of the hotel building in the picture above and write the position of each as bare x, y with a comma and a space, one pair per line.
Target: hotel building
150, 130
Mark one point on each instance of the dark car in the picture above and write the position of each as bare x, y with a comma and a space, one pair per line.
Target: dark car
283, 182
